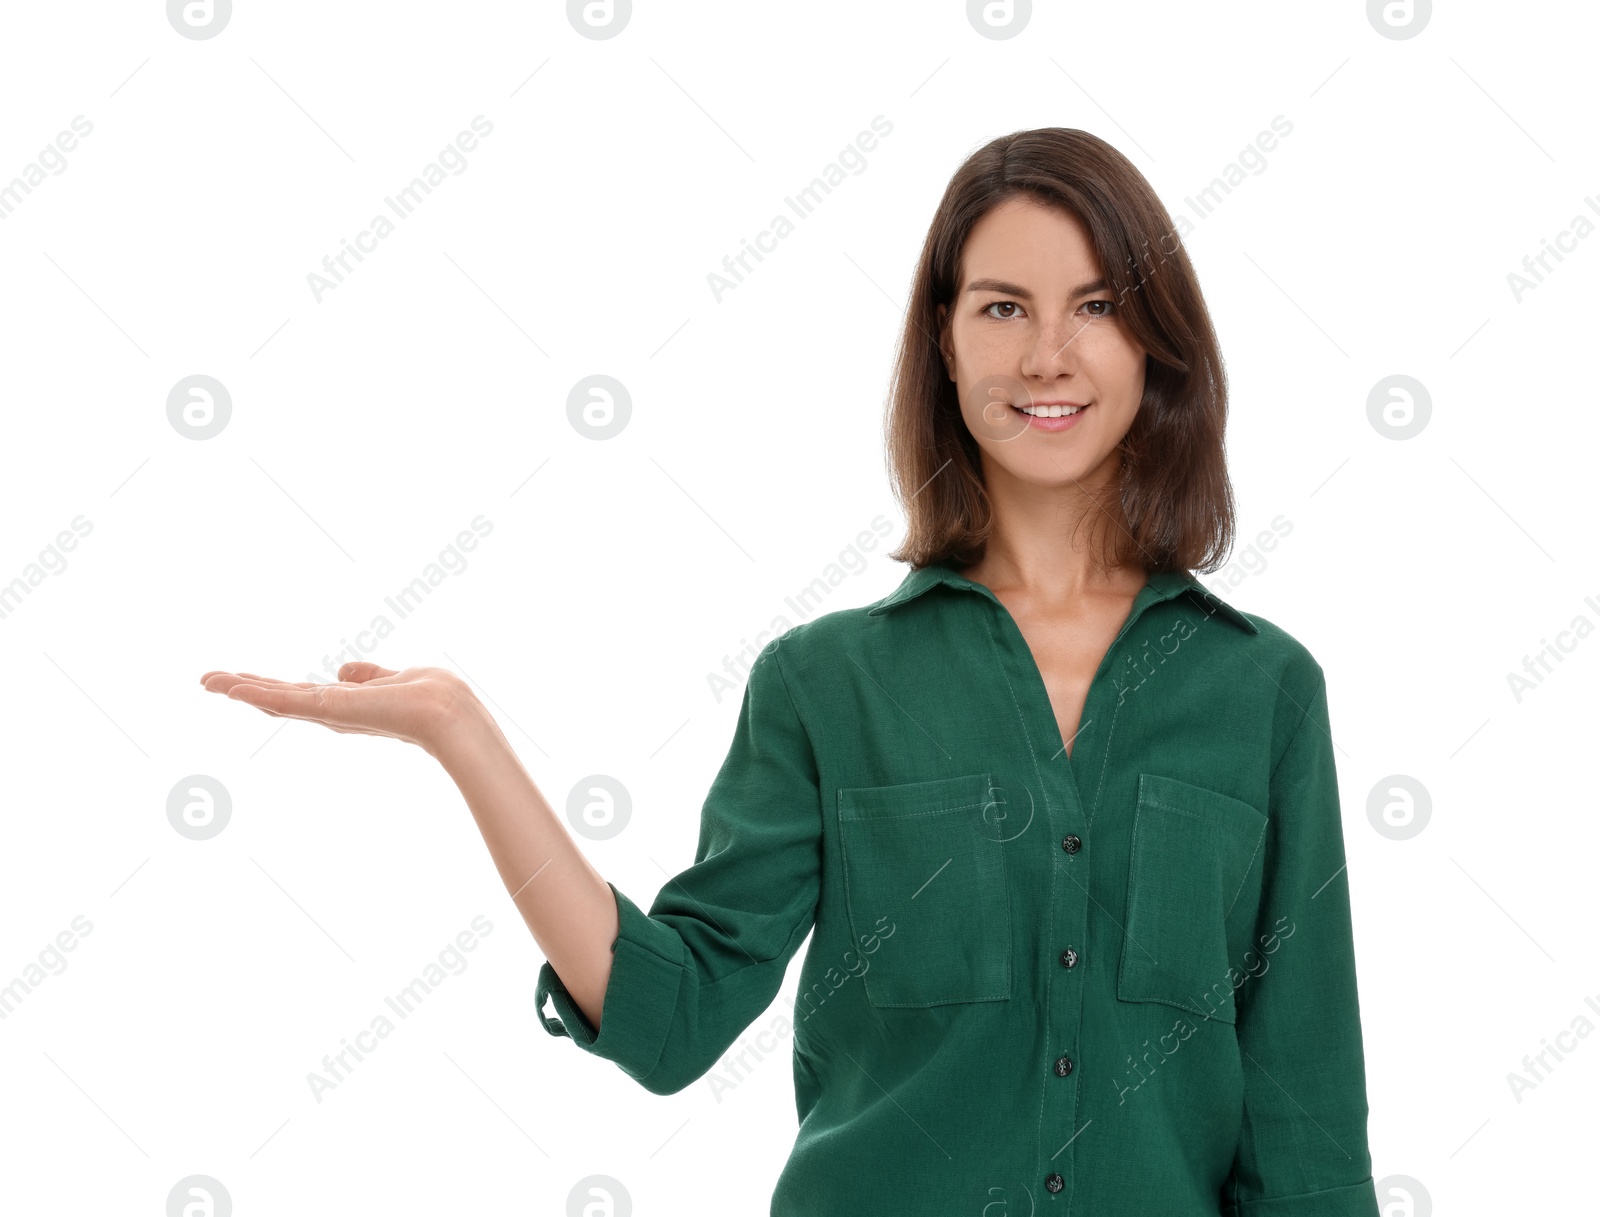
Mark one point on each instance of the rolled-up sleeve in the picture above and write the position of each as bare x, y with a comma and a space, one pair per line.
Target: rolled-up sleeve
710, 955
1303, 1144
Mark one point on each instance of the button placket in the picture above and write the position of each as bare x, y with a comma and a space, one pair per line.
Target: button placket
1067, 894
1067, 1000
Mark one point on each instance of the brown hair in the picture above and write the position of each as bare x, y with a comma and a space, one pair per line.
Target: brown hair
1173, 506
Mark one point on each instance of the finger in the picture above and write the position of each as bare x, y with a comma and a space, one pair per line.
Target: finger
284, 714
328, 704
331, 726
221, 682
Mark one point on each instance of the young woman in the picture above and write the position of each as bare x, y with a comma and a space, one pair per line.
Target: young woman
1064, 827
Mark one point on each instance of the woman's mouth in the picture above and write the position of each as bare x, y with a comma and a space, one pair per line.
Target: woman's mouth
1057, 416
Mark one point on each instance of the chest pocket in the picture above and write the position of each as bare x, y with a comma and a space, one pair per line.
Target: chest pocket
924, 877
1194, 852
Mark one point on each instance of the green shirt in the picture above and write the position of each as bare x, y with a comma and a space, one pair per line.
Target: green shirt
1121, 982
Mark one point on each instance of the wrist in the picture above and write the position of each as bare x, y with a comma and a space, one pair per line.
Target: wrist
464, 730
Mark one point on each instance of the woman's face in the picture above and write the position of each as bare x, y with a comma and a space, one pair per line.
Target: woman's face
1031, 327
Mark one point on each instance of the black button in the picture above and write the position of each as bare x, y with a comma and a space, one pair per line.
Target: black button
1071, 844
1069, 958
1054, 1183
1063, 1066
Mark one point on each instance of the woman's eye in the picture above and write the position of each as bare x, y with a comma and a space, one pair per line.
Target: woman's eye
1097, 308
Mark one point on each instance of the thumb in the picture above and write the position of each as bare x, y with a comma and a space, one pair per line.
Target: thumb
360, 671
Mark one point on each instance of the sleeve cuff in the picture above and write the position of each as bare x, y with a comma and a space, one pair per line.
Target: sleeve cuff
1356, 1200
641, 995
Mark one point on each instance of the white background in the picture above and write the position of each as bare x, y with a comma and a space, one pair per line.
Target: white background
430, 387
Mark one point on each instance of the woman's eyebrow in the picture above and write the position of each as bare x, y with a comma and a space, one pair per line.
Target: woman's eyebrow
1012, 289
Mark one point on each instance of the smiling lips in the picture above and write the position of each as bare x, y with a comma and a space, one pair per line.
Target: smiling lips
1052, 415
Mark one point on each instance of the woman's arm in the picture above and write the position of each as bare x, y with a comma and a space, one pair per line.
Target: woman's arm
677, 984
1303, 1150
567, 906
692, 972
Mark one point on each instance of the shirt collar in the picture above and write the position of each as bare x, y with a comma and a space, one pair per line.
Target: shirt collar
1161, 585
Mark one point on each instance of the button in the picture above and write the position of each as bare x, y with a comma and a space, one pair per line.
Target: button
1069, 958
1072, 844
1063, 1066
1054, 1183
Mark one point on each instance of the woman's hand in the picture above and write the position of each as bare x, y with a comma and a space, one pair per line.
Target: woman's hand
418, 705
570, 910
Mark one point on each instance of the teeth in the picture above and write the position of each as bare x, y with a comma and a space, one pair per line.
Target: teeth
1049, 411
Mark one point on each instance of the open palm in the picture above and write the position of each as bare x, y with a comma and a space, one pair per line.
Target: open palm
413, 705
